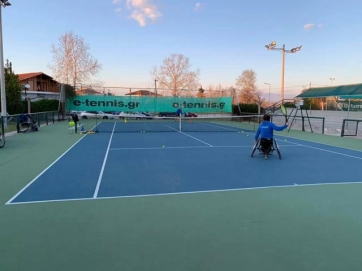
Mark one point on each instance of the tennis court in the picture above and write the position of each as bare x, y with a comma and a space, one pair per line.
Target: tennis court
179, 200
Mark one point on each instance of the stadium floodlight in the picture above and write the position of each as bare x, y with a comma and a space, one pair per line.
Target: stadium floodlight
3, 3
296, 49
271, 46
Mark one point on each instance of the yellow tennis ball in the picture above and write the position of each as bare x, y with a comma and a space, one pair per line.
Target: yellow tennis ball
163, 146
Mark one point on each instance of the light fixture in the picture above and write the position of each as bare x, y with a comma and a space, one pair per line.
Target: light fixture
5, 3
271, 46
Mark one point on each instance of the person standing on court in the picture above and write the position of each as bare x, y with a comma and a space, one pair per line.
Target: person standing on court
75, 119
265, 131
179, 112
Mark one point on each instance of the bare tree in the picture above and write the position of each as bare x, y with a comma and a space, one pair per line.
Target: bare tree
176, 75
246, 83
220, 91
259, 100
72, 64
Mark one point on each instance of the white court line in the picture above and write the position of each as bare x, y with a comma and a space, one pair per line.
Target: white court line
219, 126
191, 136
104, 164
334, 152
324, 150
196, 139
41, 173
294, 185
313, 142
192, 147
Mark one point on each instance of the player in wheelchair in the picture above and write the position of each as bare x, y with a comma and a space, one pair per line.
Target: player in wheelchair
264, 138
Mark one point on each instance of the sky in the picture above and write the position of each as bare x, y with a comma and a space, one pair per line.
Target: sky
220, 38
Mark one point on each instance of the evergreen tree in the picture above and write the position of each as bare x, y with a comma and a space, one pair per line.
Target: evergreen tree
13, 88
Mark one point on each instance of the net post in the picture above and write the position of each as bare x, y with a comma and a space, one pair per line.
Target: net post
323, 126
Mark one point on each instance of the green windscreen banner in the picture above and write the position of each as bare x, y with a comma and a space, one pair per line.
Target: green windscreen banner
350, 106
149, 104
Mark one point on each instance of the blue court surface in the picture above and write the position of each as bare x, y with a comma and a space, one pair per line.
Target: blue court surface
114, 165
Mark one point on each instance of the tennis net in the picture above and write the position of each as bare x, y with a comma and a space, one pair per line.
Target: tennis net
185, 124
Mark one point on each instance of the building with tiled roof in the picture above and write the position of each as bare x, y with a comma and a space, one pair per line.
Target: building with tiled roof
87, 91
143, 93
39, 81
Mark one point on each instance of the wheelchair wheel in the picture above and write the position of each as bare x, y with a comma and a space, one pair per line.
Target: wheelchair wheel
277, 149
24, 127
2, 140
255, 147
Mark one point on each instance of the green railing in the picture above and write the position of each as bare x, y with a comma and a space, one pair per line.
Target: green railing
42, 118
350, 127
303, 122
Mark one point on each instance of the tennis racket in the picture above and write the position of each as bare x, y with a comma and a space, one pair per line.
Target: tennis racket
284, 112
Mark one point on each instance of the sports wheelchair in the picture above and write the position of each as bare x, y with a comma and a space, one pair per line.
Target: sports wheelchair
27, 124
266, 147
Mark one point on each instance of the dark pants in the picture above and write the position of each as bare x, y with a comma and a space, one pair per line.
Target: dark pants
266, 145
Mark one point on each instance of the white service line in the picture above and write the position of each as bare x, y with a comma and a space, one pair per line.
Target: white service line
104, 164
184, 147
41, 173
191, 137
218, 126
196, 139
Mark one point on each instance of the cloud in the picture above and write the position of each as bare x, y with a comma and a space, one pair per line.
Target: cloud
308, 26
139, 17
197, 6
142, 11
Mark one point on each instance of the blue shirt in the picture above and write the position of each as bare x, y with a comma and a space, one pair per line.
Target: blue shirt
179, 112
266, 129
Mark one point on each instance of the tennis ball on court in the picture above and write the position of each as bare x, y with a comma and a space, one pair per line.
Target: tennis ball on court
285, 140
163, 146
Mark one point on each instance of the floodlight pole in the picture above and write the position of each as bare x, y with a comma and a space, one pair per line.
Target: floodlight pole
156, 87
332, 79
3, 3
269, 90
271, 46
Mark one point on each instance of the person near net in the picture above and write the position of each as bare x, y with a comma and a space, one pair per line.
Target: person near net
265, 132
179, 112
